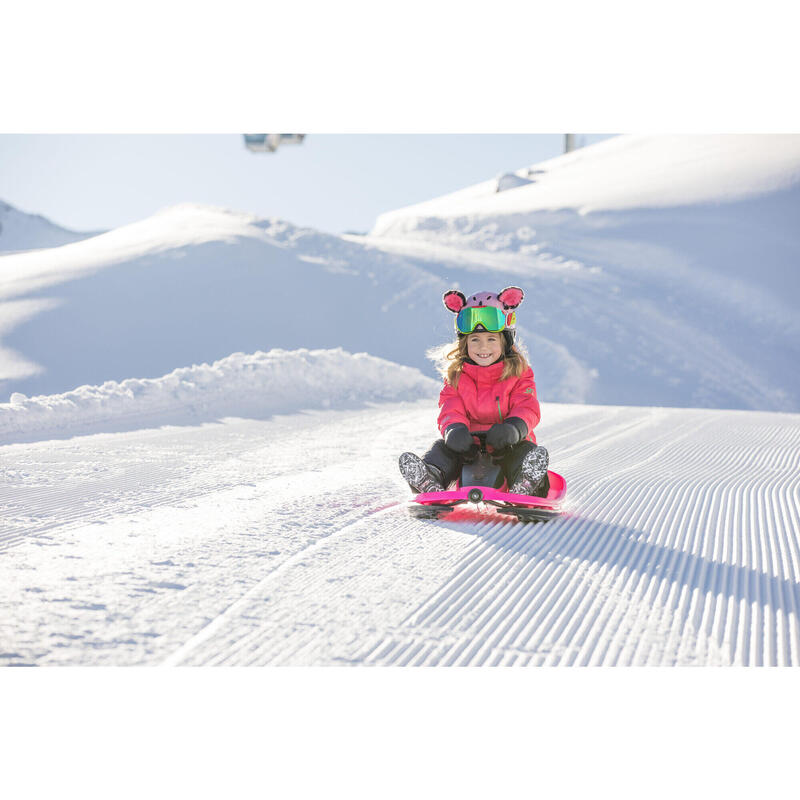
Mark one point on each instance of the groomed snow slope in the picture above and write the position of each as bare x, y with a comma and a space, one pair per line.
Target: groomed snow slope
284, 540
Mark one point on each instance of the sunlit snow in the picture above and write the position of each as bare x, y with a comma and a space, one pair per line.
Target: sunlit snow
201, 413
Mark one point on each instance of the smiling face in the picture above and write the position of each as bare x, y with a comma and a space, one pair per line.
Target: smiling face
484, 348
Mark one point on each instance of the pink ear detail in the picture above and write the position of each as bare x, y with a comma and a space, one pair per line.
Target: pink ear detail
454, 301
511, 297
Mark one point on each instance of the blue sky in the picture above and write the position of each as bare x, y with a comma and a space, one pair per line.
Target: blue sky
332, 182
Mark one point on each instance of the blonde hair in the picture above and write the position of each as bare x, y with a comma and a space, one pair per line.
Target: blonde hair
452, 362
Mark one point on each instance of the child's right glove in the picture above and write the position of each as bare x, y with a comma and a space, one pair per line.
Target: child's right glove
458, 438
506, 434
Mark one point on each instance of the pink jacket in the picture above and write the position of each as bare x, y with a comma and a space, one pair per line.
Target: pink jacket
482, 399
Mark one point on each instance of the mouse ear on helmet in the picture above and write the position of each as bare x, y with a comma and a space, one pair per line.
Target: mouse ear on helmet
511, 296
454, 301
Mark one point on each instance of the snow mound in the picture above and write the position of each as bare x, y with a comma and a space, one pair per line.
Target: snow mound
241, 385
21, 231
193, 284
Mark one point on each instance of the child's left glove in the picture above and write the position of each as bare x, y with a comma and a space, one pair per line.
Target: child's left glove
506, 434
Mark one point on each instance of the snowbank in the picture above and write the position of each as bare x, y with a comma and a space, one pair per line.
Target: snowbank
241, 385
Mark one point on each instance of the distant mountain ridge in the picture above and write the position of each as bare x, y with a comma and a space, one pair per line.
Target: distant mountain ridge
22, 231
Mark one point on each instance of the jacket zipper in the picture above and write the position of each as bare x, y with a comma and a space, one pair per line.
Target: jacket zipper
499, 411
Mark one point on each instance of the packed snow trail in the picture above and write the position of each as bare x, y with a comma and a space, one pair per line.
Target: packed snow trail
286, 541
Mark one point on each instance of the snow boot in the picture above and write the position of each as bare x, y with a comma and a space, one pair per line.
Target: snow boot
533, 478
421, 476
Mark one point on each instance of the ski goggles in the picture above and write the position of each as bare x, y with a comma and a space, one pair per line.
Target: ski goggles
491, 318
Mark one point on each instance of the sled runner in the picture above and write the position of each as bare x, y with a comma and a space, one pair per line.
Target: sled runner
482, 482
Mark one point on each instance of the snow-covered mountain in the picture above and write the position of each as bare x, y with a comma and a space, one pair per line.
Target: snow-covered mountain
21, 231
665, 267
658, 271
621, 173
194, 284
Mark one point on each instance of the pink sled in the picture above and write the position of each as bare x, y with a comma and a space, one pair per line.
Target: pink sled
478, 494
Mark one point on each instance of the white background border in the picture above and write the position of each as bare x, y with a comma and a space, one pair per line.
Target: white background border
682, 67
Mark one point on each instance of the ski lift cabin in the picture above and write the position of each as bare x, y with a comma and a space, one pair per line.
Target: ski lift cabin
269, 142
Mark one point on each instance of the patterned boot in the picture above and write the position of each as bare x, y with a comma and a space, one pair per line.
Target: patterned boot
421, 476
532, 478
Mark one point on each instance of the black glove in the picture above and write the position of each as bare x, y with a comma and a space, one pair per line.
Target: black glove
506, 434
458, 438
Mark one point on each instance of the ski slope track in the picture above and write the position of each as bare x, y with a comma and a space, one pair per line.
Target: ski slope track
226, 543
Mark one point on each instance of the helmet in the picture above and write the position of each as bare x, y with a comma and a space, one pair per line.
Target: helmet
485, 311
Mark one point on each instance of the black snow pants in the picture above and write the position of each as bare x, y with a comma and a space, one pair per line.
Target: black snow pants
450, 462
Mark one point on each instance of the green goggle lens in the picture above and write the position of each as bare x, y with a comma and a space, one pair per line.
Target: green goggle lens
491, 318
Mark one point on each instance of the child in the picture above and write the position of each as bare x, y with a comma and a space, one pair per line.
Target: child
488, 386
